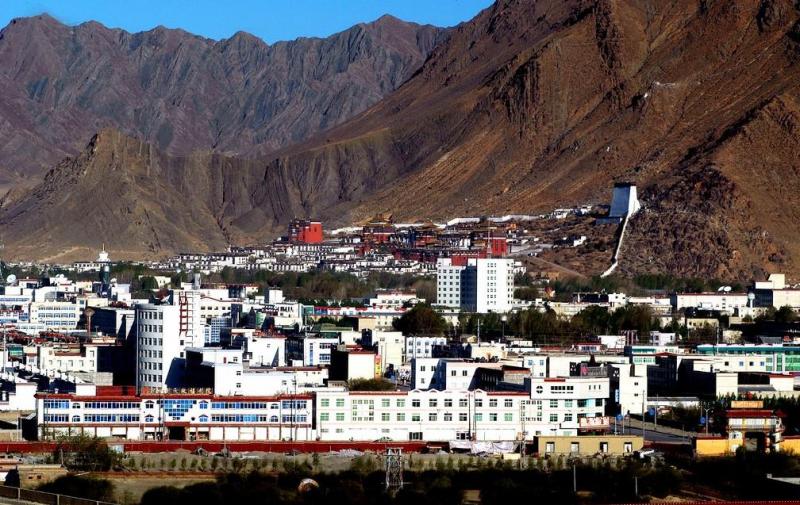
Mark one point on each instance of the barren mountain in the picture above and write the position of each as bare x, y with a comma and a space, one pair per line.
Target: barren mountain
61, 84
538, 104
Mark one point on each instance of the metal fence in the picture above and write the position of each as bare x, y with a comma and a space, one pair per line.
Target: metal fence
31, 495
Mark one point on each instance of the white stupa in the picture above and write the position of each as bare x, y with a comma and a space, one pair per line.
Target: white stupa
103, 256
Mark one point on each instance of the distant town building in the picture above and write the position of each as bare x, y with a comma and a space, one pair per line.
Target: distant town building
304, 231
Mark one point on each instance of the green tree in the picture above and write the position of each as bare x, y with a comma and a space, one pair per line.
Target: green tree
81, 487
421, 320
593, 320
785, 314
370, 385
148, 283
82, 452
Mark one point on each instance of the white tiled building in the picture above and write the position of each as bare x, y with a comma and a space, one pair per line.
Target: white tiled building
164, 332
483, 285
422, 347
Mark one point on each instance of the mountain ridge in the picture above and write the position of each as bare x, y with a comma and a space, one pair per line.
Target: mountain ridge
537, 105
184, 92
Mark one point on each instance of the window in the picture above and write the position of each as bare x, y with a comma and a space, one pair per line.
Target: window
325, 402
203, 419
401, 403
340, 402
581, 403
553, 418
401, 417
448, 403
603, 447
508, 403
478, 403
598, 402
432, 417
493, 417
462, 402
415, 404
550, 447
553, 404
508, 416
568, 404
478, 418
448, 417
385, 403
567, 417
415, 418
385, 416
627, 447
340, 416
574, 447
415, 435
432, 402
462, 417
493, 403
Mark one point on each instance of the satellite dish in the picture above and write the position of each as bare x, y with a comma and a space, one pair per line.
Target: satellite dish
727, 289
11, 279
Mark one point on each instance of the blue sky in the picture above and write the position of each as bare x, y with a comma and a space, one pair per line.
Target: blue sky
272, 20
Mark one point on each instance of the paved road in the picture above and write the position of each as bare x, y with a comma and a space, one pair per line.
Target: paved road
658, 436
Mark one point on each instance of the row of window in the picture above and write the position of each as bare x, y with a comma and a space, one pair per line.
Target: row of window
417, 403
151, 314
417, 418
255, 418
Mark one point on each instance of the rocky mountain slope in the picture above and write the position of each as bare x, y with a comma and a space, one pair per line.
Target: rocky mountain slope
180, 92
534, 105
139, 201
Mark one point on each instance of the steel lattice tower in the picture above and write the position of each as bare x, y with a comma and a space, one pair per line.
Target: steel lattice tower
394, 469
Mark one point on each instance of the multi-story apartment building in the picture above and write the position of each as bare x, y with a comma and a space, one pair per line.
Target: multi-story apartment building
448, 283
422, 347
494, 285
317, 350
53, 316
570, 404
165, 330
481, 285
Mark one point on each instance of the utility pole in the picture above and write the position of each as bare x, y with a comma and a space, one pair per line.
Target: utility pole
574, 479
644, 422
655, 415
636, 486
